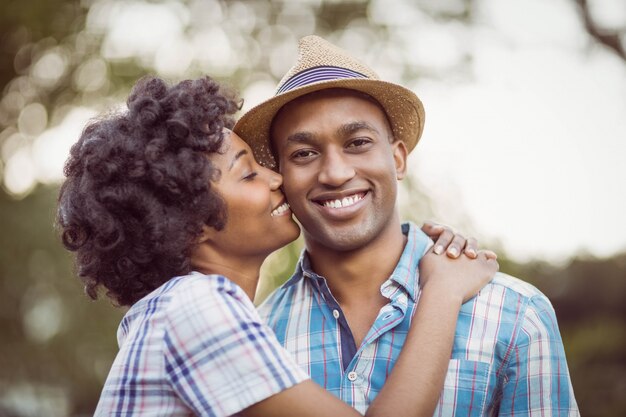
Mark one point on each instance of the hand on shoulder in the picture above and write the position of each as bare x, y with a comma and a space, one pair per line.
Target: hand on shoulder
459, 278
453, 243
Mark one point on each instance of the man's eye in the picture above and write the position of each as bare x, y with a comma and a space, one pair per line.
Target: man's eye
359, 142
302, 154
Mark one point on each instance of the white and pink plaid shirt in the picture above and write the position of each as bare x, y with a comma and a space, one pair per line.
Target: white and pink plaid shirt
195, 346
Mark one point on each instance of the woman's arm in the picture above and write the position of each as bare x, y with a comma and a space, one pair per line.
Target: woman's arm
415, 384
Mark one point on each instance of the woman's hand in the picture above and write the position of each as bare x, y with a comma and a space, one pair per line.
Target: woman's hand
423, 363
452, 243
459, 278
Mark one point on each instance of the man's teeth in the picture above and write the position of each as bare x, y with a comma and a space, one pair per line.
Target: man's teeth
344, 202
280, 209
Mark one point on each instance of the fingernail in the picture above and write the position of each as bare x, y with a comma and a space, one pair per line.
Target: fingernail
438, 249
471, 252
453, 251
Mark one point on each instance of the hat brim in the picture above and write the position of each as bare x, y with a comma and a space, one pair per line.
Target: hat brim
402, 106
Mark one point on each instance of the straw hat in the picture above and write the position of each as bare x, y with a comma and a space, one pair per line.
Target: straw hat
322, 65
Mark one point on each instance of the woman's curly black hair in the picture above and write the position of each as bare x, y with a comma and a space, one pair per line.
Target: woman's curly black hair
138, 187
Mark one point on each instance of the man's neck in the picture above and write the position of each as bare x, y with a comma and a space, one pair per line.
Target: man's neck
355, 276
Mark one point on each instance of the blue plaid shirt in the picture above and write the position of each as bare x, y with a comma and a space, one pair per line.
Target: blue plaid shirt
195, 346
507, 357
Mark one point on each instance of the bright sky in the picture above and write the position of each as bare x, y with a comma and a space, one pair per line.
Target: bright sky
534, 148
529, 148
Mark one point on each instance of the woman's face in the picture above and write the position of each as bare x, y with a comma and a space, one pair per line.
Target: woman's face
258, 217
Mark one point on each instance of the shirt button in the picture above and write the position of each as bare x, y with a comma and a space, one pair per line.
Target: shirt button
336, 314
352, 376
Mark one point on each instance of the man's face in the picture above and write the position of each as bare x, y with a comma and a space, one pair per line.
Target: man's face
340, 167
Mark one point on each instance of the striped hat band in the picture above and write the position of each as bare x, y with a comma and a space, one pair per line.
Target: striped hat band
317, 74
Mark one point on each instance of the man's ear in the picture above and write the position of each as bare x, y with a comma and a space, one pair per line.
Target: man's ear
400, 154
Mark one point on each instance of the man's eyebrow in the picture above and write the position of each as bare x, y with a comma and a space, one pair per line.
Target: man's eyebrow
300, 137
349, 128
343, 130
236, 157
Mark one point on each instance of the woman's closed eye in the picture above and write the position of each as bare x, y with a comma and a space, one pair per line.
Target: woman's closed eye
250, 176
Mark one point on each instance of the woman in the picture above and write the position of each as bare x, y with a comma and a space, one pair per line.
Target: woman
170, 213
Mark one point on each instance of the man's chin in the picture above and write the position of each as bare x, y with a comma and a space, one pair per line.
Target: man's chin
340, 239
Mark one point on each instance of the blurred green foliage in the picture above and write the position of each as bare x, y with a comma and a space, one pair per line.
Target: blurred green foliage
57, 345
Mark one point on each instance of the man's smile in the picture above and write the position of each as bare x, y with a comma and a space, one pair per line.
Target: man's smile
341, 202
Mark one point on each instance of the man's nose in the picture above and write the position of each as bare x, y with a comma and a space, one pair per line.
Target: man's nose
335, 170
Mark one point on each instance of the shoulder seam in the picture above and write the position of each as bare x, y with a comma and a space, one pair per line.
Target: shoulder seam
519, 319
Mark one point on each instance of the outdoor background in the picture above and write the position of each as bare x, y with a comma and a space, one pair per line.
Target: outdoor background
524, 147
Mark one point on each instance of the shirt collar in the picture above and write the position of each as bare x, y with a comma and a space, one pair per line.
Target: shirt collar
406, 273
303, 267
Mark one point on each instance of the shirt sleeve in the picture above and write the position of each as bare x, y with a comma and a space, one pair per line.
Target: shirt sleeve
219, 357
537, 378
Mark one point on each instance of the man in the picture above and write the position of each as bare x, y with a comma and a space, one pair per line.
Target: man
341, 137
